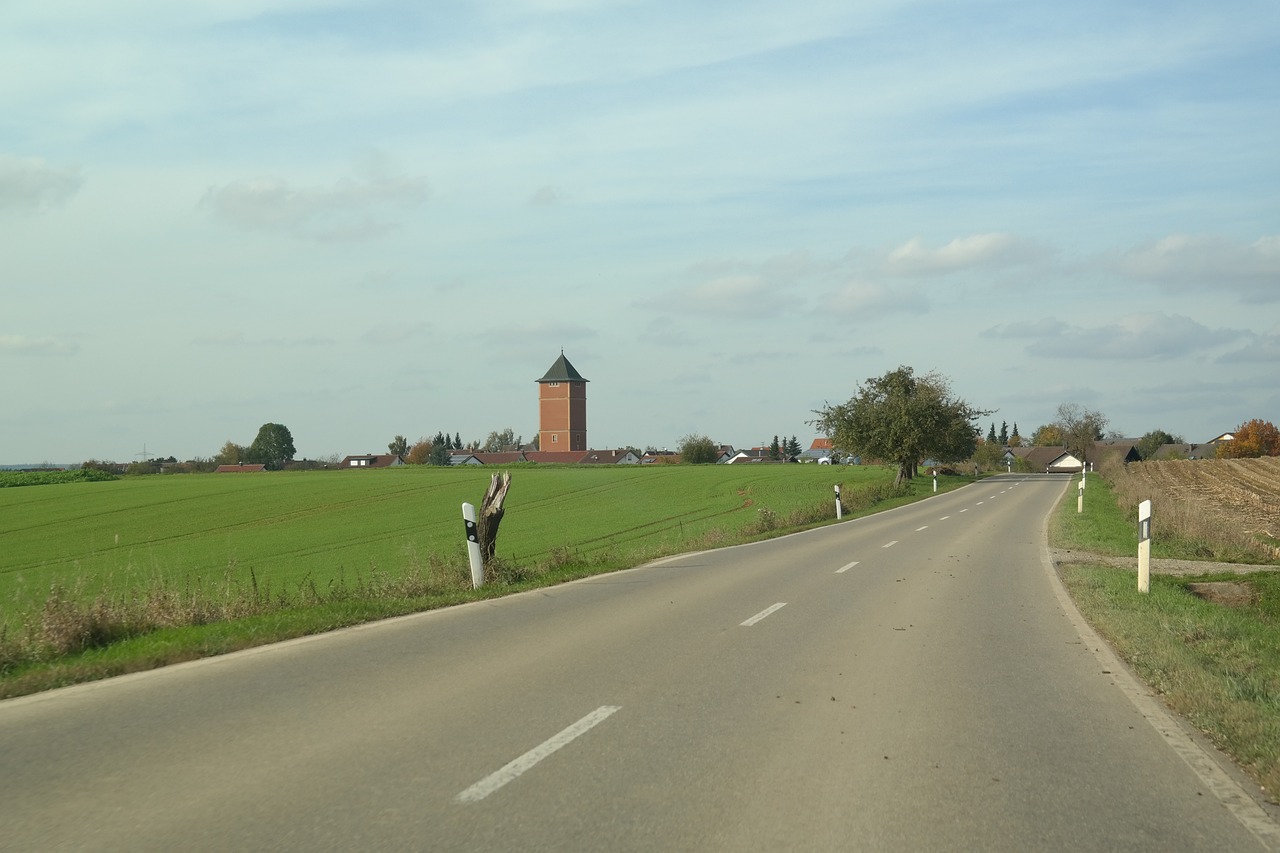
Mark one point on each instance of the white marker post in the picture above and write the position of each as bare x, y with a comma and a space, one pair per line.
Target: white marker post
473, 545
935, 479
839, 508
1080, 497
1144, 546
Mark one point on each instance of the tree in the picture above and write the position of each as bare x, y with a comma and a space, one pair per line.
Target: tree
1049, 435
1080, 428
793, 449
230, 454
1015, 440
399, 447
503, 440
775, 450
903, 419
1004, 434
991, 434
273, 446
1253, 438
420, 453
1154, 440
697, 450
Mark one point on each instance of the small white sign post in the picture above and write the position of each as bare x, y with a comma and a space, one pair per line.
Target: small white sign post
473, 545
1144, 546
839, 508
1080, 497
935, 479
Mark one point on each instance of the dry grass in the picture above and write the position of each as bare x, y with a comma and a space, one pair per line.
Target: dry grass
1214, 509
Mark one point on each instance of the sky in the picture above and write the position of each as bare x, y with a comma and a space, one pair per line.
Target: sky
370, 219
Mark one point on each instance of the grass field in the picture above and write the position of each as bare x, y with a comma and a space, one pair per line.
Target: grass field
99, 578
318, 525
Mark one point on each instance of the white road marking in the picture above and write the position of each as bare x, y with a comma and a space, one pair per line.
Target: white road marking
846, 568
890, 544
514, 769
918, 529
763, 613
966, 509
980, 503
944, 518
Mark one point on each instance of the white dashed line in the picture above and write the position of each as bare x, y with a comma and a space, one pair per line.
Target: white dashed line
918, 529
763, 613
944, 518
889, 544
846, 568
514, 769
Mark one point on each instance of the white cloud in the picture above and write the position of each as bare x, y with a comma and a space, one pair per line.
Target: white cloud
23, 345
1262, 349
346, 210
978, 250
1184, 263
32, 184
862, 300
395, 333
1134, 336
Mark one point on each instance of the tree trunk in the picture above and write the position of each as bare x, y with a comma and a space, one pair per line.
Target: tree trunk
491, 512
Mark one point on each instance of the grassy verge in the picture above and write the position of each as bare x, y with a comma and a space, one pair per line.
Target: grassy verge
106, 613
1216, 664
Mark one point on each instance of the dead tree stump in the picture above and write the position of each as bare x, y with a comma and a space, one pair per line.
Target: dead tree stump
491, 511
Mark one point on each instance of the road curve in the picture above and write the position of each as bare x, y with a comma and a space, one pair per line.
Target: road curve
914, 680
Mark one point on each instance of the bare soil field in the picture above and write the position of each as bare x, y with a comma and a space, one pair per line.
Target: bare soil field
1240, 492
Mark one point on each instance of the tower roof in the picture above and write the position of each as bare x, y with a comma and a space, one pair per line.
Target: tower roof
562, 371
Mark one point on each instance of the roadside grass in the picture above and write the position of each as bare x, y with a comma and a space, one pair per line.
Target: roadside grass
1216, 664
99, 579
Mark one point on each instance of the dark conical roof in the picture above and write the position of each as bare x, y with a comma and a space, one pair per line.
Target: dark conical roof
562, 371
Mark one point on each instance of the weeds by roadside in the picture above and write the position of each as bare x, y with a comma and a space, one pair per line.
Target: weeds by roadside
1216, 664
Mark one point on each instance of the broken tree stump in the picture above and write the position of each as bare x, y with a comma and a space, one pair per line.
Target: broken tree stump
491, 511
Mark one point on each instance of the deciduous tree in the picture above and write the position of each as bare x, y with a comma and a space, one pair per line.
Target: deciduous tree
1154, 440
1253, 438
272, 447
1080, 428
697, 450
398, 446
903, 419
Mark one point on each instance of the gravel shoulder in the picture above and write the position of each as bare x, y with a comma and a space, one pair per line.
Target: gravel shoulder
1067, 556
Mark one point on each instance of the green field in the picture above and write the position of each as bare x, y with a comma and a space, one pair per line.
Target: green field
290, 528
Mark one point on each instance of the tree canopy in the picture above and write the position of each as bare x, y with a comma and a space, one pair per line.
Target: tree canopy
273, 446
1254, 438
904, 419
1080, 428
697, 450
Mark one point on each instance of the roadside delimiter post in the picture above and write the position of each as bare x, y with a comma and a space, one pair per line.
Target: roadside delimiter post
839, 508
1080, 497
1144, 546
473, 545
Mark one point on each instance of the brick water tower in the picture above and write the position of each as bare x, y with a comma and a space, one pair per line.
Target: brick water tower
562, 408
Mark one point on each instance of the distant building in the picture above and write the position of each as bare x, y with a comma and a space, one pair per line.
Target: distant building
371, 460
562, 409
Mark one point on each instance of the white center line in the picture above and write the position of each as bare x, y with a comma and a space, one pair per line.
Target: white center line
890, 544
918, 529
763, 613
980, 503
944, 518
514, 769
966, 509
846, 568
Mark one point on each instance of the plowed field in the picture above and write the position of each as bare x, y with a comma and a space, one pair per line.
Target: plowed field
1240, 492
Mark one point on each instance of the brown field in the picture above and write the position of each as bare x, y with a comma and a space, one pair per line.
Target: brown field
1241, 493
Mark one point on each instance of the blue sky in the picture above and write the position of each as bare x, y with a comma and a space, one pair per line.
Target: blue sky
370, 219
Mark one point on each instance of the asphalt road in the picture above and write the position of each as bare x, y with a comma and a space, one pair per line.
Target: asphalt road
913, 681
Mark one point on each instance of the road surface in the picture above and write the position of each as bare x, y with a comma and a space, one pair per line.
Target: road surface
914, 680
